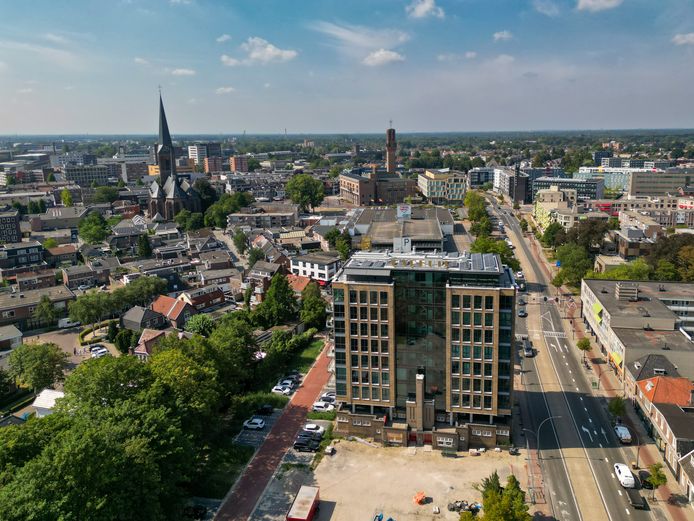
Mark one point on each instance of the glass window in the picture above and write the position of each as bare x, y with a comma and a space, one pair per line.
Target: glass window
355, 392
373, 314
384, 362
374, 361
489, 319
476, 402
466, 318
354, 360
488, 336
365, 360
455, 351
466, 301
374, 329
488, 369
338, 295
478, 336
384, 314
365, 377
455, 400
455, 334
352, 296
488, 352
505, 319
477, 369
487, 402
385, 395
385, 378
455, 384
466, 384
373, 297
478, 302
477, 386
466, 400
506, 302
504, 369
384, 298
384, 346
455, 318
466, 351
487, 386
384, 330
362, 313
455, 367
478, 319
375, 379
466, 367
364, 344
455, 301
363, 329
353, 328
353, 312
477, 352
355, 377
362, 297
489, 302
466, 335
353, 344
375, 393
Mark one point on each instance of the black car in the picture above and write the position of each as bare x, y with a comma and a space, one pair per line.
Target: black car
306, 445
265, 410
307, 435
643, 478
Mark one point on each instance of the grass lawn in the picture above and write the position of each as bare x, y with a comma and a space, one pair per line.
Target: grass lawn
304, 360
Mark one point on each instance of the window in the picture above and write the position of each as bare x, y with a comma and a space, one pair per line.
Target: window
365, 377
478, 319
374, 361
455, 367
487, 386
466, 318
363, 329
488, 369
455, 334
375, 395
466, 351
353, 344
384, 346
373, 297
478, 336
365, 360
489, 319
384, 362
385, 395
478, 302
362, 313
489, 302
455, 400
374, 329
374, 346
384, 298
354, 360
488, 352
466, 367
385, 378
477, 369
375, 377
355, 392
455, 351
362, 297
466, 335
444, 442
352, 296
466, 400
466, 384
338, 295
455, 301
342, 419
455, 318
353, 328
364, 344
373, 312
476, 402
488, 336
355, 377
466, 301
384, 330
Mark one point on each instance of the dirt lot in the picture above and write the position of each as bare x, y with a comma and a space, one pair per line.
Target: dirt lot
360, 481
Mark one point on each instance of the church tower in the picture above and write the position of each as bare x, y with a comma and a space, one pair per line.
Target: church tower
165, 149
391, 147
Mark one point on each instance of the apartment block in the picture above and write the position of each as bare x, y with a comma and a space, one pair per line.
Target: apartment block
649, 183
585, 188
442, 186
9, 226
238, 163
86, 175
423, 348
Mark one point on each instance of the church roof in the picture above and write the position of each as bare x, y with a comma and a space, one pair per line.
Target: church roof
155, 190
164, 135
173, 189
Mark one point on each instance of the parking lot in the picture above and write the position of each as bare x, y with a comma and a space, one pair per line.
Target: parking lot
255, 438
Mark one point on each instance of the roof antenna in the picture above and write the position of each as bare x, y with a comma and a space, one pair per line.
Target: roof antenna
390, 123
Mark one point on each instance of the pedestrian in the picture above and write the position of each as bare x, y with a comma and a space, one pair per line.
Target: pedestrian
74, 350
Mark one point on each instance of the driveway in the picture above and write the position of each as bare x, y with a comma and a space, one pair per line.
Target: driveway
239, 504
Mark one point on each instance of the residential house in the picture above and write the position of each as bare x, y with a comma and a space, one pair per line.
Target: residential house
321, 267
298, 282
216, 260
82, 275
203, 298
686, 478
10, 337
45, 402
35, 280
138, 318
646, 367
62, 255
18, 257
177, 312
201, 241
18, 308
146, 342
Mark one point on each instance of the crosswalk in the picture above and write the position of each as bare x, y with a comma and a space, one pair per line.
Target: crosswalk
547, 334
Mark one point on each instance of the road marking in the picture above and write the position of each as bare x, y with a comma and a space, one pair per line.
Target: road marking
585, 409
577, 388
583, 428
612, 475
607, 461
569, 369
580, 398
619, 492
628, 513
573, 380
600, 444
590, 420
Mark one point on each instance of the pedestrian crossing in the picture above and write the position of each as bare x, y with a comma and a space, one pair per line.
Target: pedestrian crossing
547, 334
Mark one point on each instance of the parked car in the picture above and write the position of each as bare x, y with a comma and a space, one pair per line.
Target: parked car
294, 377
99, 352
624, 475
623, 434
287, 383
265, 410
321, 406
304, 435
64, 323
254, 424
83, 287
306, 445
329, 393
327, 399
278, 389
521, 302
527, 349
522, 313
314, 427
644, 475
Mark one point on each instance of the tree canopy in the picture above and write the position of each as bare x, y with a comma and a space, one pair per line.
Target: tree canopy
105, 194
216, 214
306, 191
37, 366
489, 245
93, 228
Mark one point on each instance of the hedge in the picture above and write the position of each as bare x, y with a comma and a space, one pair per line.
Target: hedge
88, 330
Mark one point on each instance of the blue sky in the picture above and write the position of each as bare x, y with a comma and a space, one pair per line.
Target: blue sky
345, 65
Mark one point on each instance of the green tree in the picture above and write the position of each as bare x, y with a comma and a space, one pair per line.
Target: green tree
93, 228
66, 197
105, 194
584, 346
554, 235
112, 331
189, 221
123, 340
45, 312
37, 366
6, 385
575, 263
523, 225
685, 260
332, 236
279, 305
657, 477
588, 234
208, 195
50, 243
201, 324
313, 312
306, 191
502, 503
232, 348
216, 214
144, 248
254, 255
50, 178
489, 245
247, 294
240, 241
617, 406
665, 271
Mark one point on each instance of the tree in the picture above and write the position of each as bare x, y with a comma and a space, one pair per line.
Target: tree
583, 345
523, 225
240, 241
332, 236
344, 247
201, 324
657, 477
665, 271
45, 312
489, 245
189, 221
503, 504
575, 263
588, 234
50, 178
93, 228
306, 191
50, 243
66, 197
144, 248
617, 406
554, 235
37, 366
279, 304
216, 214
685, 258
254, 255
247, 294
313, 306
112, 331
123, 340
208, 195
105, 194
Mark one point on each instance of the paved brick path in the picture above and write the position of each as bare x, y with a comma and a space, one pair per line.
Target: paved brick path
239, 504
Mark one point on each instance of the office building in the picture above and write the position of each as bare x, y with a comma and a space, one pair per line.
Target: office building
265, 215
9, 226
423, 348
87, 175
374, 187
617, 178
213, 164
479, 176
238, 163
585, 188
391, 148
442, 186
599, 155
200, 151
668, 182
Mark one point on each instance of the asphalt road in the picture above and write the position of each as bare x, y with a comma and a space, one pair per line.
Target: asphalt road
584, 412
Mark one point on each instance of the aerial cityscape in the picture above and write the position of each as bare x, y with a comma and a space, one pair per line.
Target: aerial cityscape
391, 260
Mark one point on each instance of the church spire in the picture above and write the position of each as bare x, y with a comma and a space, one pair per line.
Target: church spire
164, 136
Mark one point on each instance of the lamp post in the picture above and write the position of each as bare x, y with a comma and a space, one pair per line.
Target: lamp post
638, 446
539, 430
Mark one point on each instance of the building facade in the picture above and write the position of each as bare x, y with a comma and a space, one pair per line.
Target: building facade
9, 226
87, 175
442, 186
238, 163
423, 348
321, 267
585, 188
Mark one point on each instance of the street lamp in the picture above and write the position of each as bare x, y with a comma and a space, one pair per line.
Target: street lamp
539, 430
638, 447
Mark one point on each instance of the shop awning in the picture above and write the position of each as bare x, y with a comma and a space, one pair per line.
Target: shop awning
616, 359
597, 310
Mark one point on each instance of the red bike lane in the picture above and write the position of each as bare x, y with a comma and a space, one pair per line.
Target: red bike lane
239, 505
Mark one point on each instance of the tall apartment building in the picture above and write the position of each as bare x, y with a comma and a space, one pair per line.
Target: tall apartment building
423, 348
442, 186
9, 227
616, 178
197, 153
238, 163
599, 155
213, 164
85, 175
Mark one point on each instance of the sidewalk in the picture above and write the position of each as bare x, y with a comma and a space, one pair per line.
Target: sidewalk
609, 387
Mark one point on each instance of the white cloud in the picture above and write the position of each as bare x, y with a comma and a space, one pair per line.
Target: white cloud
597, 5
259, 51
224, 90
424, 8
470, 55
683, 39
181, 2
140, 61
266, 85
25, 90
357, 37
55, 38
50, 54
453, 57
382, 57
503, 59
183, 72
546, 7
223, 38
501, 36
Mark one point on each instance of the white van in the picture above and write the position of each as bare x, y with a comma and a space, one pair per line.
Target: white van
64, 323
624, 475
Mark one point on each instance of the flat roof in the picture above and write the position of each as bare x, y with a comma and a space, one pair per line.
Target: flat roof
317, 258
452, 262
424, 230
33, 296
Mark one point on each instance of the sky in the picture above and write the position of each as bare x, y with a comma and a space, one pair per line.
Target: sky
344, 66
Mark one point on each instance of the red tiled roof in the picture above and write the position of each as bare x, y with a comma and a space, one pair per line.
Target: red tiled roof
62, 250
667, 389
298, 282
168, 306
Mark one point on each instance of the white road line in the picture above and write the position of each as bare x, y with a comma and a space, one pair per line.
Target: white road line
619, 492
585, 409
580, 398
607, 461
612, 474
600, 445
628, 513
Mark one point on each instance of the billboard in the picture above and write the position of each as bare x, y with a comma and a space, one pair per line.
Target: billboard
404, 211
